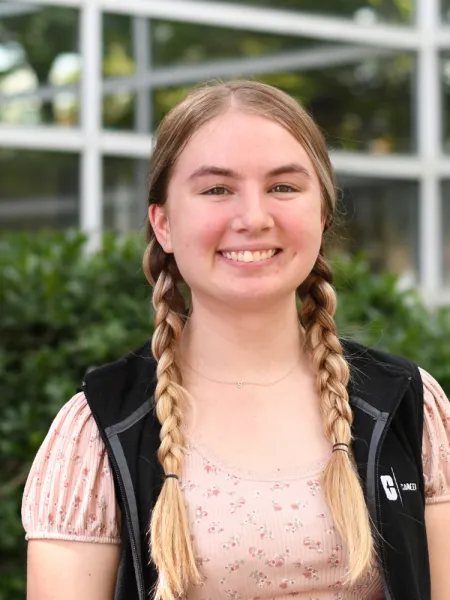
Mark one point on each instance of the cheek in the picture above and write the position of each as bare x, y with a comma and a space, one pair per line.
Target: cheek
199, 230
196, 237
305, 230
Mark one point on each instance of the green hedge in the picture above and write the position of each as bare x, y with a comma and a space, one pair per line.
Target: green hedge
63, 310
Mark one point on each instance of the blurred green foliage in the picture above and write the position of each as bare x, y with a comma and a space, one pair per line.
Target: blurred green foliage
375, 310
64, 310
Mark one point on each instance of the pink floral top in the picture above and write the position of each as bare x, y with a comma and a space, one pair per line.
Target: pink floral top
260, 535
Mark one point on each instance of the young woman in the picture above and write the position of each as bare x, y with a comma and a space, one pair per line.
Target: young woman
272, 458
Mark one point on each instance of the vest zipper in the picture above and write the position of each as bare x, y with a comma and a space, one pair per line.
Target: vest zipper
136, 557
379, 434
382, 424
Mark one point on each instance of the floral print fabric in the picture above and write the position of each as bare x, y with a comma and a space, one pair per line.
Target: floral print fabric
263, 536
256, 536
436, 441
69, 494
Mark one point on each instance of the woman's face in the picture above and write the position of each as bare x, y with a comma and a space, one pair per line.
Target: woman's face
243, 213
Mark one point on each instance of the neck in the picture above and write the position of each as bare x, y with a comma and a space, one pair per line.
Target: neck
258, 345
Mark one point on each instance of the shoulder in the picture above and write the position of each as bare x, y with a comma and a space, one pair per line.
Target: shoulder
131, 364
436, 440
72, 431
115, 391
72, 421
428, 393
359, 355
436, 406
382, 378
71, 460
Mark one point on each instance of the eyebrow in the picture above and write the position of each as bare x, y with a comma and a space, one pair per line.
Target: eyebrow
211, 170
290, 168
221, 172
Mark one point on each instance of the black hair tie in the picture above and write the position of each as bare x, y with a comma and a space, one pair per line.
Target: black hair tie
338, 447
171, 475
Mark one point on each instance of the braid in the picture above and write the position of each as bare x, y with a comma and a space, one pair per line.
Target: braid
170, 540
341, 484
154, 262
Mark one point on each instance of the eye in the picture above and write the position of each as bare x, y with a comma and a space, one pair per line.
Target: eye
217, 190
283, 188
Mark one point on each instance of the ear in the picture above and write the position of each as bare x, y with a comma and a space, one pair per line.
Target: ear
161, 226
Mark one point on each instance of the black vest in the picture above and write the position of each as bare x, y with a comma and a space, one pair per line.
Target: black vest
386, 394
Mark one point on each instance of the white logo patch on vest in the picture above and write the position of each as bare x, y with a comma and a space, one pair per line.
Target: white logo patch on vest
393, 490
409, 487
389, 487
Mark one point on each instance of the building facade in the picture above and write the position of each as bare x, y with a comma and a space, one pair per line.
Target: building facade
84, 83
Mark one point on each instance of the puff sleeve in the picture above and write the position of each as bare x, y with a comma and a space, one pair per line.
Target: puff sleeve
436, 441
69, 493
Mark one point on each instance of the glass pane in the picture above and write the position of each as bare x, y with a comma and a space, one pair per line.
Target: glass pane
364, 11
445, 78
446, 229
445, 10
118, 62
38, 189
379, 217
40, 65
188, 43
355, 102
167, 44
117, 45
119, 111
125, 193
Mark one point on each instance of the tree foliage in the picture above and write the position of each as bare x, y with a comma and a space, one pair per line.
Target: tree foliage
61, 313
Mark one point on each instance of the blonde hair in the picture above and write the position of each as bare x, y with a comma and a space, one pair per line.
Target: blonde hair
170, 540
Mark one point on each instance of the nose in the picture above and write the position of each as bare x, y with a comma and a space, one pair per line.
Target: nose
253, 213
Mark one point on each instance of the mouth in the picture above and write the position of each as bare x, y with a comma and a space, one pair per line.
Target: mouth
245, 256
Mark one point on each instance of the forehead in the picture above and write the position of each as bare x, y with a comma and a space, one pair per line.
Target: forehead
243, 142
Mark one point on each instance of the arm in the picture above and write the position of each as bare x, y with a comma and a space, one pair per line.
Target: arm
437, 518
436, 463
66, 570
70, 514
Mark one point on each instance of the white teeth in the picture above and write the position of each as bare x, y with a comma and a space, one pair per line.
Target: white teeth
247, 256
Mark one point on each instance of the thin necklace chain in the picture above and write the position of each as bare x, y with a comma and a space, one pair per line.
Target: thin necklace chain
240, 384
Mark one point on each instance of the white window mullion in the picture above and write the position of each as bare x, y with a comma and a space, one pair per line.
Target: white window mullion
91, 217
38, 3
270, 20
141, 52
429, 119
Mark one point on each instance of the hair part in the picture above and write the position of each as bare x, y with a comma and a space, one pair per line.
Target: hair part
170, 539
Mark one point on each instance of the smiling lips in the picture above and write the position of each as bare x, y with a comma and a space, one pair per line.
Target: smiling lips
247, 256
